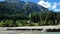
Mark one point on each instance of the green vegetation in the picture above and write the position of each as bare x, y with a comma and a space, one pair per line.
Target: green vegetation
13, 17
46, 18
33, 19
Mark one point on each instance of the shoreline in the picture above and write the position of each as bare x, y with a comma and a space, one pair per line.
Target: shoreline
55, 28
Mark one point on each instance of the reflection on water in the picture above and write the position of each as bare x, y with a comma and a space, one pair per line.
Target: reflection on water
27, 32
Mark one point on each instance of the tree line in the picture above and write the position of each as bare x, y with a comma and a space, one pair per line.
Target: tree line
33, 19
46, 18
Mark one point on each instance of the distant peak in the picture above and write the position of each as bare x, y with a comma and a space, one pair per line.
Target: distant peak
12, 0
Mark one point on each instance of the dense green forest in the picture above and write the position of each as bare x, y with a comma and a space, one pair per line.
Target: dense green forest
13, 17
34, 19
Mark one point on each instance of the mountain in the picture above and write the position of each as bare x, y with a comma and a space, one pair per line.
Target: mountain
20, 7
18, 13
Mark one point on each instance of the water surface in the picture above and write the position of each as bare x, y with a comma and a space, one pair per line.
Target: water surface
27, 32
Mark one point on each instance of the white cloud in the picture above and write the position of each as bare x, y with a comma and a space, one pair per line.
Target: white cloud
47, 4
44, 4
54, 5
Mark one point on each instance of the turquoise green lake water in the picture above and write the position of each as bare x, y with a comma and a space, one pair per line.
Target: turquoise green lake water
27, 32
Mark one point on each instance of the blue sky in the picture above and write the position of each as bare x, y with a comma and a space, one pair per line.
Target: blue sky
50, 4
